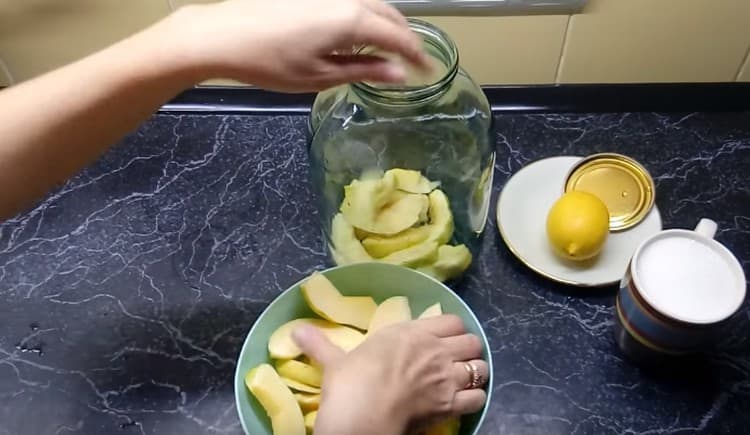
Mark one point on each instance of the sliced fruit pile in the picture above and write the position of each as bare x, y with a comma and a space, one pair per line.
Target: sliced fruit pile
289, 391
400, 218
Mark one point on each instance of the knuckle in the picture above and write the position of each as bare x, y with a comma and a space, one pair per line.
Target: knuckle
445, 406
406, 340
474, 344
453, 321
443, 358
417, 340
444, 375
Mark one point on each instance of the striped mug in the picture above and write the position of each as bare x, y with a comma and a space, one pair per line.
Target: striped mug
680, 288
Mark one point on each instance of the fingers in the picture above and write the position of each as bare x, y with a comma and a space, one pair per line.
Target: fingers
468, 401
354, 68
447, 325
316, 345
462, 373
384, 33
386, 10
463, 347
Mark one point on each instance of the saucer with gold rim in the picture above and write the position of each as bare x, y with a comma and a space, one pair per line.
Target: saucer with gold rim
521, 216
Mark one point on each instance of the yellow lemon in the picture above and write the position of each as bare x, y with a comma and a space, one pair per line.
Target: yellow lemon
578, 225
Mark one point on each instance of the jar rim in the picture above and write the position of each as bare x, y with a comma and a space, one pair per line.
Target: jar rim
442, 44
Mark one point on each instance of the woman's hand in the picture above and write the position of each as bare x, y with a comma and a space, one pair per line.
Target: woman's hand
285, 45
289, 45
401, 378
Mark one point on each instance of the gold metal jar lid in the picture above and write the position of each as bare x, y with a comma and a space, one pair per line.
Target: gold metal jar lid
625, 187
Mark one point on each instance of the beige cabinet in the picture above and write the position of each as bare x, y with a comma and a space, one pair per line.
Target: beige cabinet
508, 50
744, 74
38, 35
656, 41
611, 41
5, 79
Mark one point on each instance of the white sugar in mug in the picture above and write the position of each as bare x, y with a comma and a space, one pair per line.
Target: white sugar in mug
680, 287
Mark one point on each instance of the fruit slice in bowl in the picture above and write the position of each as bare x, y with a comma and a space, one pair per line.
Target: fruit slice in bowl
379, 281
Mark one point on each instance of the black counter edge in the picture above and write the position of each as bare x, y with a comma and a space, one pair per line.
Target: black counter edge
595, 98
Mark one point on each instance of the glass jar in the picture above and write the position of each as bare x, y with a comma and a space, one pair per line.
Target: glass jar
436, 131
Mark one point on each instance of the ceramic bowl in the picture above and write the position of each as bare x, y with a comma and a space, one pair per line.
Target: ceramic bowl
378, 280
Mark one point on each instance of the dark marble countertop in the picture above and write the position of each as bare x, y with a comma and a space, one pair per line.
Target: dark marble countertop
125, 296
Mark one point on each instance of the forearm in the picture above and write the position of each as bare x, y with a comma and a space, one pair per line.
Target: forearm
53, 125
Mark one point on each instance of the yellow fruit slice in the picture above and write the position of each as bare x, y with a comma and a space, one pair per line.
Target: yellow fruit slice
578, 225
282, 346
310, 421
326, 301
393, 310
381, 246
441, 218
433, 310
414, 256
438, 230
412, 181
424, 212
307, 360
377, 207
406, 210
346, 248
364, 198
361, 234
450, 426
299, 386
308, 402
452, 261
276, 399
299, 371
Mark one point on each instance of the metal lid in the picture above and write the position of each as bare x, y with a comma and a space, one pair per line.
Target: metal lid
625, 187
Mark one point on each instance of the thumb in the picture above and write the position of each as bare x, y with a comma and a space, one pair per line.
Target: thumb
316, 345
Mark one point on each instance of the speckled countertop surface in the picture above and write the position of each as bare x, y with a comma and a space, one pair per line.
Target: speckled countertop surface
125, 295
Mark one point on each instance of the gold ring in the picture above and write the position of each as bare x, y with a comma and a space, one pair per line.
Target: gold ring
347, 51
475, 378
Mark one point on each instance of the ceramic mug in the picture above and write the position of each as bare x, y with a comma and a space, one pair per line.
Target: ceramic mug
680, 288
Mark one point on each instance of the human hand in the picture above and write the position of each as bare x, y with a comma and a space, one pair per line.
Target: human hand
403, 377
289, 45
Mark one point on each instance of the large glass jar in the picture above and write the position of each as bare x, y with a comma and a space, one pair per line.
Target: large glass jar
436, 131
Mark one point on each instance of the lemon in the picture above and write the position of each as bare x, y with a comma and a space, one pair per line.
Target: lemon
578, 225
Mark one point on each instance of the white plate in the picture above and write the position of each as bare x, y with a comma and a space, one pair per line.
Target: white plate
522, 214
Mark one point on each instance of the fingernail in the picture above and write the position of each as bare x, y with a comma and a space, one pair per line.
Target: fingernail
395, 72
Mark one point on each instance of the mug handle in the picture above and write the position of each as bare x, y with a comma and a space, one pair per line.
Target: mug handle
706, 228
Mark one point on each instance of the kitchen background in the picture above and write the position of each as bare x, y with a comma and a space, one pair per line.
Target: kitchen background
610, 41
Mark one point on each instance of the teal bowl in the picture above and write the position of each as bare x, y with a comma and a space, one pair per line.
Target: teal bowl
378, 280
